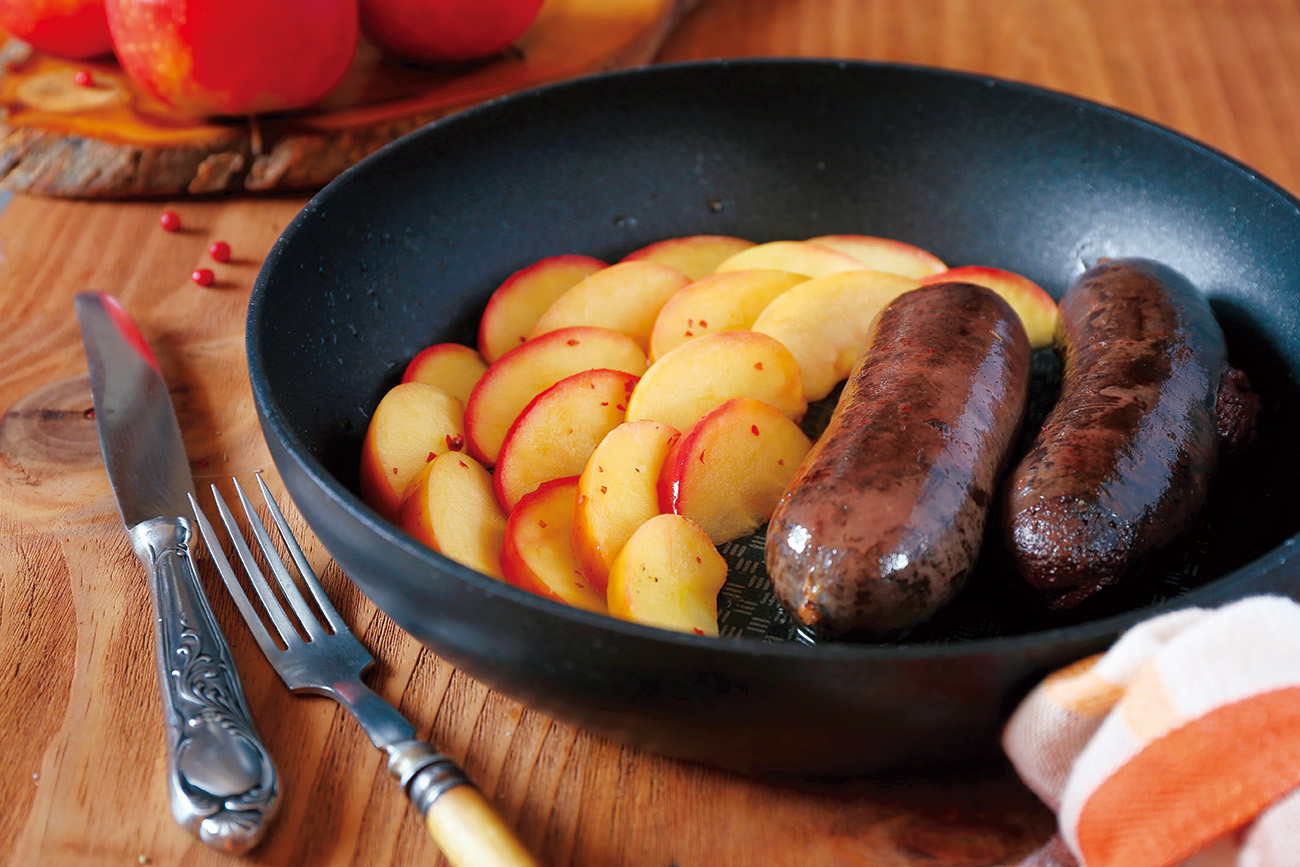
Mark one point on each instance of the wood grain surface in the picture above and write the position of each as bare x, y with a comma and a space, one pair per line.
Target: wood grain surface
81, 751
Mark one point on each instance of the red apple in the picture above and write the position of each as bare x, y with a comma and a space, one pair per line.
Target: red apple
234, 57
75, 29
446, 30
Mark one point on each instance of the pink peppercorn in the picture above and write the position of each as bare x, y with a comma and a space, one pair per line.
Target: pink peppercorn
203, 276
219, 251
170, 221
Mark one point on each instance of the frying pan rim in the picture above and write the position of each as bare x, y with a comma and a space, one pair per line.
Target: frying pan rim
296, 449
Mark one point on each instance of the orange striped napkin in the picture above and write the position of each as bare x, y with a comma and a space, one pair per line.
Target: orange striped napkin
1178, 746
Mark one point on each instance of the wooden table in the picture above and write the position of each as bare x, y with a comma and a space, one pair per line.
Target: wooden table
81, 752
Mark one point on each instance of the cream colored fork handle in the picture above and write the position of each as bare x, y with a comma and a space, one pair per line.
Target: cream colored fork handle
469, 832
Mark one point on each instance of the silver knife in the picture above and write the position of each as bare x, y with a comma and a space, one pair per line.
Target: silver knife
222, 785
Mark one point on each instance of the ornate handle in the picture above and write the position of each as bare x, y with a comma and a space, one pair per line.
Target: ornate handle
222, 783
461, 821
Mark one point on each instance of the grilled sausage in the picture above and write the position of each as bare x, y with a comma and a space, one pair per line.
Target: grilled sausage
884, 518
1124, 460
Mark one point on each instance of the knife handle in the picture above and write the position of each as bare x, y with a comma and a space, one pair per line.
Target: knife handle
222, 784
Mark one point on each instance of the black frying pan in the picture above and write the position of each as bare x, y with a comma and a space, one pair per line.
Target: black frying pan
404, 249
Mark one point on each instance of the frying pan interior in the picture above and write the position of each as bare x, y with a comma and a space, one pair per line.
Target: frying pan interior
403, 250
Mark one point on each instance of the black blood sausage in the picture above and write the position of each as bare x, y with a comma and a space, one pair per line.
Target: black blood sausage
1125, 458
884, 518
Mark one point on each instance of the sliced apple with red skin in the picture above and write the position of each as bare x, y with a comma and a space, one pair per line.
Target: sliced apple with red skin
697, 376
413, 423
513, 380
618, 491
694, 255
728, 471
824, 322
729, 301
537, 554
668, 575
451, 508
1036, 309
557, 432
520, 301
625, 297
453, 367
885, 254
800, 257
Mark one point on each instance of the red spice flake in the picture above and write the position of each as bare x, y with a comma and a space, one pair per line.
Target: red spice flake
753, 428
90, 413
628, 386
690, 323
394, 470
780, 462
698, 631
572, 341
758, 365
455, 443
603, 489
170, 221
604, 403
599, 468
701, 457
219, 251
541, 524
698, 560
462, 463
703, 324
430, 458
203, 276
84, 78
199, 464
620, 406
690, 333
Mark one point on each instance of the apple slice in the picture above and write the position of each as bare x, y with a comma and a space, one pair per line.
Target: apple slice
537, 555
728, 471
557, 432
884, 254
698, 375
625, 297
513, 380
413, 423
694, 255
520, 301
450, 507
824, 322
668, 575
1036, 309
729, 301
801, 257
618, 492
453, 367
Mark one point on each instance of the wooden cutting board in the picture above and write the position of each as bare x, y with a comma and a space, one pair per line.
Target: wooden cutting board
113, 140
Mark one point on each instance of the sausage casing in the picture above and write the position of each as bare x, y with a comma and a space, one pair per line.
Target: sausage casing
884, 518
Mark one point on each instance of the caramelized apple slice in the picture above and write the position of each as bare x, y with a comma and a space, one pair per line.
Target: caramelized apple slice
520, 301
450, 507
537, 555
693, 255
729, 301
799, 257
728, 471
557, 432
1036, 309
618, 492
513, 380
824, 322
668, 575
413, 423
697, 376
625, 297
453, 367
884, 254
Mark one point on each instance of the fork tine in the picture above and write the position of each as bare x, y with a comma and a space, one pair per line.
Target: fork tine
274, 610
300, 559
306, 616
242, 602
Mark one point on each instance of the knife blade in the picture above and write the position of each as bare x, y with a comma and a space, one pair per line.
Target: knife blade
222, 784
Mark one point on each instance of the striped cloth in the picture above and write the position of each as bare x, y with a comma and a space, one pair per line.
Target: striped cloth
1178, 746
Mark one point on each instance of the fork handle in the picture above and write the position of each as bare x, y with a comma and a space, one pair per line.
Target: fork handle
461, 821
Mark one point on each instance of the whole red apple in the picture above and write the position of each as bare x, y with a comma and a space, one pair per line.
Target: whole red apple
234, 57
446, 30
75, 29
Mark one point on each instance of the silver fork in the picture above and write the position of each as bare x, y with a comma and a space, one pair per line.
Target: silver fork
330, 663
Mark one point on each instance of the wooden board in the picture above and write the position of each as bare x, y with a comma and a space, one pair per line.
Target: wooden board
113, 140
